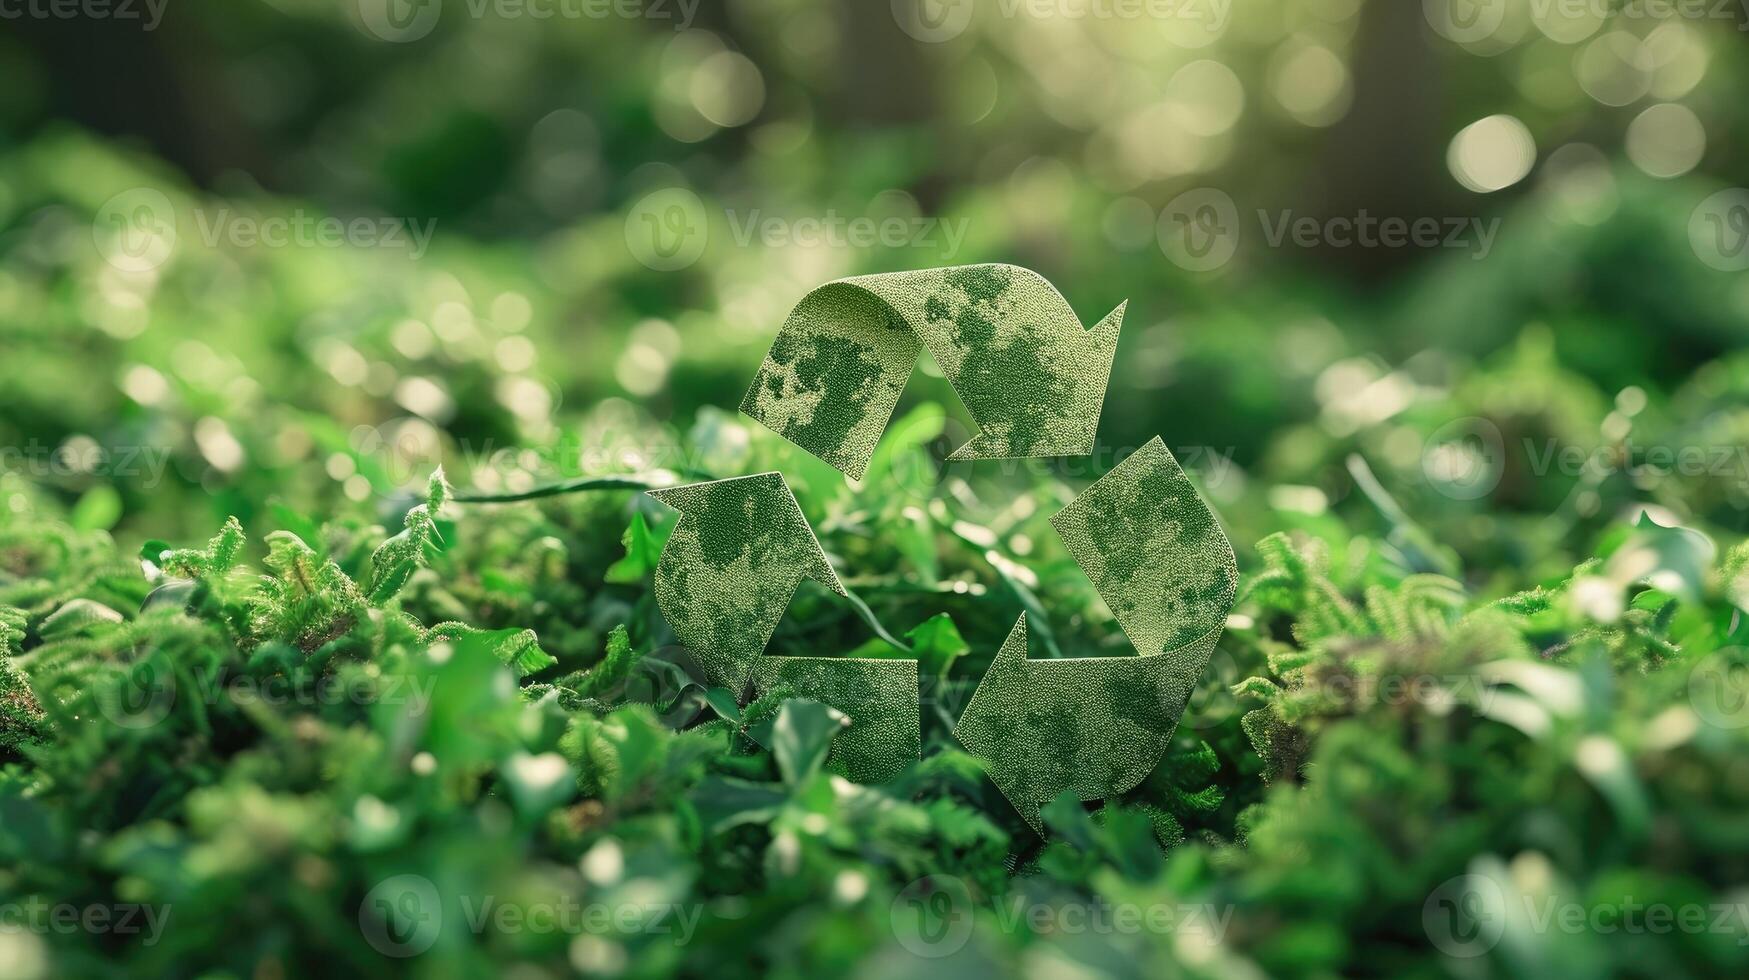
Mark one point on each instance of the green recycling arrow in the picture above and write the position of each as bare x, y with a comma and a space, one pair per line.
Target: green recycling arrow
727, 574
1099, 725
1033, 380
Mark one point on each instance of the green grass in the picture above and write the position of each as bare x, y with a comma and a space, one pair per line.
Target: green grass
255, 747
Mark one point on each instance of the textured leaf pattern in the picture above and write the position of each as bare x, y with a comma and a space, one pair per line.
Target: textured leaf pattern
1097, 726
1032, 378
1153, 550
731, 567
724, 580
879, 696
1034, 381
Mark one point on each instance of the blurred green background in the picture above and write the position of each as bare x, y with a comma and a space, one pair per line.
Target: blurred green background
1071, 138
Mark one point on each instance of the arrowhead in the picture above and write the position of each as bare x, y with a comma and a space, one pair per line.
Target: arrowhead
1096, 725
744, 507
730, 568
988, 724
1099, 725
1054, 415
1154, 551
1103, 337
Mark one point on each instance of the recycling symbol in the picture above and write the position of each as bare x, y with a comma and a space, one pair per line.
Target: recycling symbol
1034, 380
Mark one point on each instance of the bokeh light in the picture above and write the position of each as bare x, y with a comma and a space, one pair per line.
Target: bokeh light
1491, 154
1666, 140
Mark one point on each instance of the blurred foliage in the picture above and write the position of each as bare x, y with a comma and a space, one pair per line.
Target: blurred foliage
257, 663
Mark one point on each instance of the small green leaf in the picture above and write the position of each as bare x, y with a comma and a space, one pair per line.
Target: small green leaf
643, 551
152, 557
937, 644
98, 509
520, 649
1671, 559
1068, 817
802, 736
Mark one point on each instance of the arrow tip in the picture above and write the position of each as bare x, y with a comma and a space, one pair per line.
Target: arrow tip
995, 686
984, 445
1104, 336
1014, 648
737, 494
